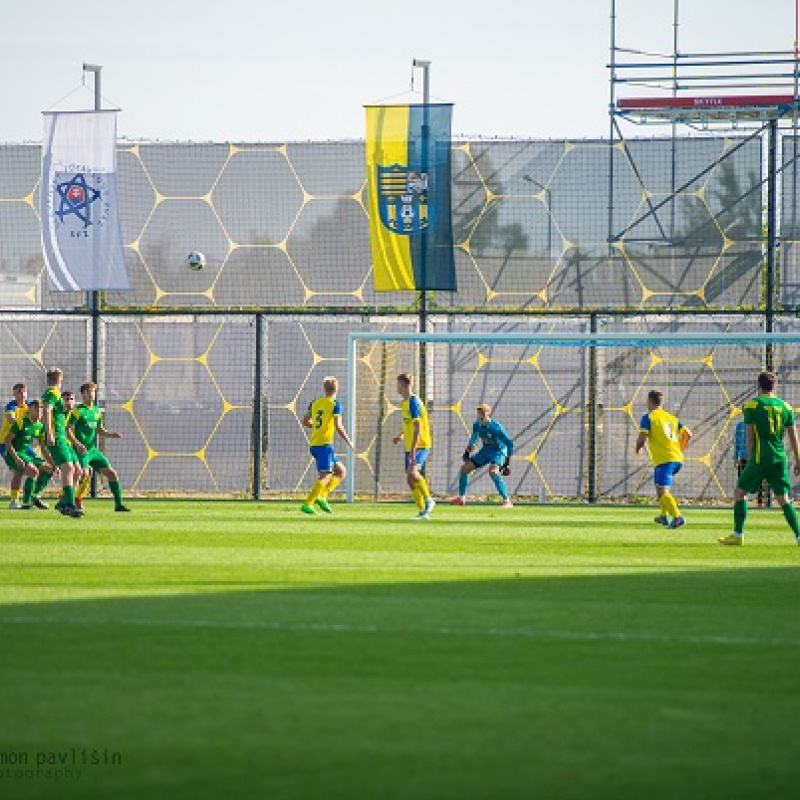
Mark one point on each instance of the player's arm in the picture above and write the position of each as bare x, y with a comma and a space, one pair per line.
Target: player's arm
9, 443
505, 440
45, 452
641, 441
751, 439
337, 423
76, 445
47, 421
684, 437
106, 434
795, 442
473, 440
307, 419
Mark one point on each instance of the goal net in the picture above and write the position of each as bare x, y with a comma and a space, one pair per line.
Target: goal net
571, 399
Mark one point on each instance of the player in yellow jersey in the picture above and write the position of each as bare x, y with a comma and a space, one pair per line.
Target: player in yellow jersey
416, 436
324, 417
20, 401
666, 438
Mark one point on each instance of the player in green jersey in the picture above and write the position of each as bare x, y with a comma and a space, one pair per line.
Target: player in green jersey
55, 429
767, 418
84, 425
36, 471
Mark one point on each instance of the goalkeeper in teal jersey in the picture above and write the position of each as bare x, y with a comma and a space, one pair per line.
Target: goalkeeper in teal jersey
497, 447
84, 425
766, 418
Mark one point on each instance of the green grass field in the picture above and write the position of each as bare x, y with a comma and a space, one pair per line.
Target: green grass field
231, 649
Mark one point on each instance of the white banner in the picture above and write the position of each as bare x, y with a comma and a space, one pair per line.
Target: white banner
81, 235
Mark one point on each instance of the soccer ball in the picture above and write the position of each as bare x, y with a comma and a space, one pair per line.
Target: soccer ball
195, 261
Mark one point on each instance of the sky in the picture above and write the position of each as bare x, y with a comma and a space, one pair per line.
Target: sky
263, 71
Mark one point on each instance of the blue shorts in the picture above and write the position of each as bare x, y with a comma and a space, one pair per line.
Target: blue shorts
324, 456
488, 455
665, 472
422, 457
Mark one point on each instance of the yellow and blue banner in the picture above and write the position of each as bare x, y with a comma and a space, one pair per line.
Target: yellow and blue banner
408, 197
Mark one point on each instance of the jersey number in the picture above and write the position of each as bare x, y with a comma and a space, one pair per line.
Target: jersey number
319, 418
775, 420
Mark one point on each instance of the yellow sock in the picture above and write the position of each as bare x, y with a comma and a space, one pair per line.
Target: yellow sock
330, 486
663, 505
671, 503
83, 487
422, 485
418, 498
316, 491
15, 494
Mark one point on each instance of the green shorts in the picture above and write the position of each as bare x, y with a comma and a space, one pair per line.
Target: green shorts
62, 453
776, 475
26, 458
94, 458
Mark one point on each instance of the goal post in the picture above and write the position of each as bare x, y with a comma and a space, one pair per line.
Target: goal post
543, 386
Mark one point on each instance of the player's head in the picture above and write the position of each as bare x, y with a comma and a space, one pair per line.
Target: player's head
484, 412
20, 393
330, 385
655, 399
54, 376
767, 381
88, 390
405, 383
34, 410
69, 400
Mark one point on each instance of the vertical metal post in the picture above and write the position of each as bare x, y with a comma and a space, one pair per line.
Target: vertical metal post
258, 407
93, 297
352, 366
425, 66
772, 179
591, 448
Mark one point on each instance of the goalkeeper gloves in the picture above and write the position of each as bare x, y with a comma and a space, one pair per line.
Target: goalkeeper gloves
506, 468
466, 456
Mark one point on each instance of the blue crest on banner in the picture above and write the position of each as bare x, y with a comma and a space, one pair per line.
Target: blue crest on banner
404, 199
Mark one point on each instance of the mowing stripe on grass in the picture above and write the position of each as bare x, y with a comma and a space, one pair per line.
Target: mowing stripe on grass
334, 627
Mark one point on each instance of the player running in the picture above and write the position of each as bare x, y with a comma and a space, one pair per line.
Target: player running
666, 439
324, 417
26, 429
417, 438
767, 418
497, 447
57, 444
84, 425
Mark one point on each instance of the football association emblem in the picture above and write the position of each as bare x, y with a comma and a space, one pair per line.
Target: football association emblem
404, 199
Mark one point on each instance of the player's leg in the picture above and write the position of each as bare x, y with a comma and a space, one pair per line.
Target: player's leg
16, 483
748, 483
497, 480
44, 477
323, 455
670, 502
336, 477
114, 484
420, 484
30, 473
16, 480
780, 484
463, 482
660, 479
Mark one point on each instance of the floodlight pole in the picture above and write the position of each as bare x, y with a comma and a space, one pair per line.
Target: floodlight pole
93, 297
425, 66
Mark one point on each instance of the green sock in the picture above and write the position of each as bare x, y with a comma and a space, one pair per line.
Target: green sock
41, 482
69, 495
739, 516
791, 517
27, 491
116, 490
